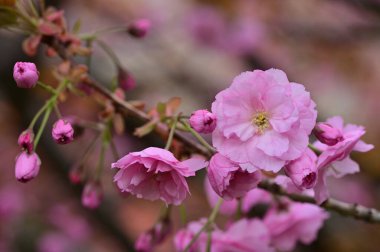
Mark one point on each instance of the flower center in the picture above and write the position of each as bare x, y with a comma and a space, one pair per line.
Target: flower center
261, 121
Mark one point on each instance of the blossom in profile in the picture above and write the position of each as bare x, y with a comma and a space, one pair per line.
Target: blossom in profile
298, 222
203, 121
327, 134
228, 179
155, 173
334, 159
303, 171
25, 74
63, 132
27, 166
264, 121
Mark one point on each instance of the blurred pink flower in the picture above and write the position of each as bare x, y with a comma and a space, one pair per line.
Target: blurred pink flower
147, 241
264, 120
55, 242
139, 27
184, 236
298, 222
27, 166
203, 121
92, 195
25, 74
229, 207
303, 170
335, 160
154, 173
12, 202
228, 180
243, 236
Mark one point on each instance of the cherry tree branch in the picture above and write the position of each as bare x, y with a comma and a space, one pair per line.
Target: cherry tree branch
351, 210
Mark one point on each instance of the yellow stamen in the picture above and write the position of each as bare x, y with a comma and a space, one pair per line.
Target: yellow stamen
261, 121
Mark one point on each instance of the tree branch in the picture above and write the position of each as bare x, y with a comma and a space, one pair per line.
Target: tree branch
352, 210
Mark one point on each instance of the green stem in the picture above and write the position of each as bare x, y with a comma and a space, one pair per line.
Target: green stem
99, 168
108, 50
39, 113
183, 214
114, 150
313, 148
209, 237
210, 221
42, 126
198, 137
47, 87
171, 133
94, 35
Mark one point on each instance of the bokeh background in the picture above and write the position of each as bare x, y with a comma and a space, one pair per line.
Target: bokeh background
194, 50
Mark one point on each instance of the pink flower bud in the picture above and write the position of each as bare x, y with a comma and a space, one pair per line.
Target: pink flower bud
25, 74
203, 121
25, 140
125, 80
27, 166
303, 171
327, 134
92, 195
63, 132
75, 176
139, 28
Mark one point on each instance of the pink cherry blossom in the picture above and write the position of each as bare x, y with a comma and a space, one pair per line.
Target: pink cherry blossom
228, 179
263, 120
203, 121
155, 173
147, 241
335, 160
27, 166
63, 132
303, 170
298, 222
25, 74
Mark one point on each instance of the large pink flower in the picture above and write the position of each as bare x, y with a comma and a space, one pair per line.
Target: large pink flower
299, 222
229, 180
155, 173
335, 160
263, 120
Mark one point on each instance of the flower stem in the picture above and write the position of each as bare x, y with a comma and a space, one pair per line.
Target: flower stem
210, 221
183, 214
313, 148
42, 126
171, 133
198, 137
46, 87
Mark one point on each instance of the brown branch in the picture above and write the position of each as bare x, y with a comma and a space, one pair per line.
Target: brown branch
352, 210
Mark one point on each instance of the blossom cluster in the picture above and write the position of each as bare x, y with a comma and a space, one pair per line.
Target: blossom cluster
260, 125
263, 129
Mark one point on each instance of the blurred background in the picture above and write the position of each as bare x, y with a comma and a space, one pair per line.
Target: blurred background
193, 51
